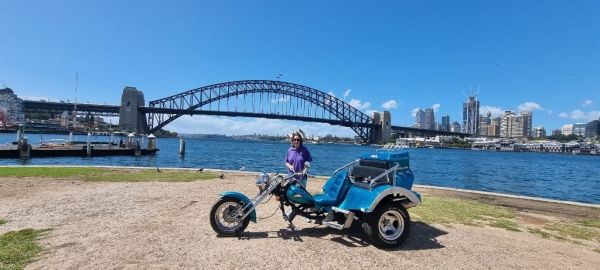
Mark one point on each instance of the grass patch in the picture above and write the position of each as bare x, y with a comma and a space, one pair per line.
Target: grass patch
2, 221
505, 224
19, 248
442, 210
107, 175
590, 222
539, 232
575, 231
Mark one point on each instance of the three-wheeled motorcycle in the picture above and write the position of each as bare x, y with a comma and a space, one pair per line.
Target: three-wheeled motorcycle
374, 190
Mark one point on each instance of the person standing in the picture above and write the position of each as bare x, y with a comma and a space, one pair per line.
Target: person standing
297, 154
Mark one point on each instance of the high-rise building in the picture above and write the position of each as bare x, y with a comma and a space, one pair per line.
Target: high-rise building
567, 129
579, 129
556, 132
527, 124
515, 126
506, 124
471, 115
484, 123
539, 132
592, 129
445, 126
430, 119
494, 128
11, 107
420, 119
455, 127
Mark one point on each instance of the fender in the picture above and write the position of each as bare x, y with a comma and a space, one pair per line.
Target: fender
414, 198
244, 199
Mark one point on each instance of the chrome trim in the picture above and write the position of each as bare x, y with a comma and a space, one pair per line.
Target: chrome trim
395, 191
345, 166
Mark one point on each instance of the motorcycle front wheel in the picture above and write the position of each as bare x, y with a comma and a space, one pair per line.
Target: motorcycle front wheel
226, 217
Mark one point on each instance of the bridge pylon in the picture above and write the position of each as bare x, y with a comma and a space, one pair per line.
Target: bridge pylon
130, 117
383, 127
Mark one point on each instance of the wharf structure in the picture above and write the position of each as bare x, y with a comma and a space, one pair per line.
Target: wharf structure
68, 148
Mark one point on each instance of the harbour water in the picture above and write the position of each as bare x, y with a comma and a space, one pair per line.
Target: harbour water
553, 176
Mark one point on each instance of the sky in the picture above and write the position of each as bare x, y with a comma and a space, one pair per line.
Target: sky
542, 56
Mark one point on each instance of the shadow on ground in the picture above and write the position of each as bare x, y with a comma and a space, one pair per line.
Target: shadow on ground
422, 236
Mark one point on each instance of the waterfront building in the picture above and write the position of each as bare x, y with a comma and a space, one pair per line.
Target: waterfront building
592, 129
445, 126
579, 129
515, 126
567, 129
455, 127
484, 124
471, 115
11, 107
539, 132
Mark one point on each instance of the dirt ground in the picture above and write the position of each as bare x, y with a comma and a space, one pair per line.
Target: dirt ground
155, 225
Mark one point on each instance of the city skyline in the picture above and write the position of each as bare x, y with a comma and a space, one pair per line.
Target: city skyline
519, 56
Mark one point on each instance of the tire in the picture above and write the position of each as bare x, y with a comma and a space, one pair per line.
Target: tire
221, 220
389, 226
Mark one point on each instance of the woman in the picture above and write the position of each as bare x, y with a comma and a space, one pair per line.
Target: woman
297, 155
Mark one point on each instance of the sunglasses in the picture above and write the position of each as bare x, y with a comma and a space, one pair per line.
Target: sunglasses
296, 140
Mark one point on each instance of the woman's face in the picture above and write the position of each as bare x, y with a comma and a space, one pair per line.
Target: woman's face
296, 141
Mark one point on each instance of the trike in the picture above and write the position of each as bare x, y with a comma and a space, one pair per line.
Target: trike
374, 190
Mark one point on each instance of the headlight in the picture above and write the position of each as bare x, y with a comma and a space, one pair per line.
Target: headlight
262, 179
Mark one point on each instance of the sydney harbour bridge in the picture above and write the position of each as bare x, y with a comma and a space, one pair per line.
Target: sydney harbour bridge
250, 98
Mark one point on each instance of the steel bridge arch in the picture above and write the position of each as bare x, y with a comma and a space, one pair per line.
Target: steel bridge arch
165, 110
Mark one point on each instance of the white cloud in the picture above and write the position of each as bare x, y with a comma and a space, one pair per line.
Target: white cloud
202, 124
494, 110
581, 115
587, 102
414, 112
436, 107
359, 104
346, 93
530, 106
390, 104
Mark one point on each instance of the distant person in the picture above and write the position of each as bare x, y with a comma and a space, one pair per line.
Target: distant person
120, 143
297, 154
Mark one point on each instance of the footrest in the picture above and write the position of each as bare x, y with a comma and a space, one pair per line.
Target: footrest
347, 223
333, 224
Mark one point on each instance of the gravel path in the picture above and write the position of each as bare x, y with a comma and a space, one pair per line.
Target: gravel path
165, 225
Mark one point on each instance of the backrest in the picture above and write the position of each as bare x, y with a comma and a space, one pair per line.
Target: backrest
337, 185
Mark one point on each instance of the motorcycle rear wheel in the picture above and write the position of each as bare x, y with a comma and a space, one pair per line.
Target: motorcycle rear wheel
225, 217
389, 226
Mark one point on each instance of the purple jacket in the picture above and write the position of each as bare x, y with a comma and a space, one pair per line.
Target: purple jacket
297, 157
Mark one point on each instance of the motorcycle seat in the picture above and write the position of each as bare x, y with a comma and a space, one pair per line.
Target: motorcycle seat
334, 190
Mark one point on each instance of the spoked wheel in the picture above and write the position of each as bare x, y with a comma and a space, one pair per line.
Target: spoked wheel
390, 225
226, 217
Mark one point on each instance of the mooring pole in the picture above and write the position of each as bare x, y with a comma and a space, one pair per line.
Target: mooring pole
89, 145
181, 147
138, 150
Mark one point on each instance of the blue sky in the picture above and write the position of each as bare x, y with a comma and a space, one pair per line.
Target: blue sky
537, 55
